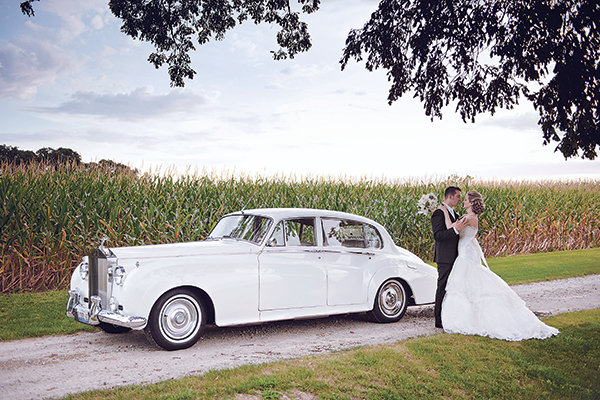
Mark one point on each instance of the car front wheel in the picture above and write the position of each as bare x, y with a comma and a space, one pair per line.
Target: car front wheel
390, 303
176, 320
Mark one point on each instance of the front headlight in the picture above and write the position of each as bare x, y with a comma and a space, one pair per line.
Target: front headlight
83, 270
119, 275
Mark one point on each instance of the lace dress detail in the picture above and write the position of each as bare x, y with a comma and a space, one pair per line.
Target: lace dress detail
479, 302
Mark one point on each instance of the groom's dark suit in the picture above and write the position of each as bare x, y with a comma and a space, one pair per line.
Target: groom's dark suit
446, 251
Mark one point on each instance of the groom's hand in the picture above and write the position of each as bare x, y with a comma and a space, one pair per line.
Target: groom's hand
461, 224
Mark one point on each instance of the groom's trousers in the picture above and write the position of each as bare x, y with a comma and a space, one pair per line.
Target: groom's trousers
443, 272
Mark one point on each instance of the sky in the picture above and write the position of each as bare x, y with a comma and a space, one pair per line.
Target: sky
70, 78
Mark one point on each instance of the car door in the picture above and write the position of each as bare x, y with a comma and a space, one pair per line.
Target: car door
349, 249
291, 274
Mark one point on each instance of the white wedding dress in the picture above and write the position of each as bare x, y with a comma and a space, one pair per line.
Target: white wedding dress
479, 302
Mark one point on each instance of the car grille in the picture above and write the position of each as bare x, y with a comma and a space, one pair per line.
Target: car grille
99, 279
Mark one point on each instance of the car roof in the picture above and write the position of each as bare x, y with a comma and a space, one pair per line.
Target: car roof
279, 213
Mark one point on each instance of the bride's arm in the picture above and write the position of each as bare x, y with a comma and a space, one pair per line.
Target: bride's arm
449, 223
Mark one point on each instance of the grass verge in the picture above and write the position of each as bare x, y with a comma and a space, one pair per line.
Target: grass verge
40, 314
36, 314
525, 268
437, 367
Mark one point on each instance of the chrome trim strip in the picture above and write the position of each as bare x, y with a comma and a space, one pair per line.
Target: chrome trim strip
364, 253
300, 249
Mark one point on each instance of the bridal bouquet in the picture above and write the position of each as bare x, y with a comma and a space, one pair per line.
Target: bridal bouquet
427, 203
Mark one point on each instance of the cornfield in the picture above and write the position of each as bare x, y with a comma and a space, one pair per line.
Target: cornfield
51, 216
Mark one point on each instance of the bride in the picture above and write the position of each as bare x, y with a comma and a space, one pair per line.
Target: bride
479, 302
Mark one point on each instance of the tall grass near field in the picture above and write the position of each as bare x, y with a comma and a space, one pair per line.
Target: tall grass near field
50, 217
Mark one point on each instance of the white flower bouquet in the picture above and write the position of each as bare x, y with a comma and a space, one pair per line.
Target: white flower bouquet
427, 204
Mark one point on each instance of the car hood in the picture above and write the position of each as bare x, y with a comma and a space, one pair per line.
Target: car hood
188, 249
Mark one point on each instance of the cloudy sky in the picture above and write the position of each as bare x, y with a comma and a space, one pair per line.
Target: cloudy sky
70, 78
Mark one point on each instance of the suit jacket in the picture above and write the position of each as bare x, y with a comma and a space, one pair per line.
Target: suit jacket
446, 240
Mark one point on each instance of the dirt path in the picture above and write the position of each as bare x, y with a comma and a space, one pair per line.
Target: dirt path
54, 366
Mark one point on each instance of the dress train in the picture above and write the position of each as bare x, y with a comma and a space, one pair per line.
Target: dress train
479, 302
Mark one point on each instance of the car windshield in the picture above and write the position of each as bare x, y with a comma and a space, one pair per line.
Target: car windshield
252, 228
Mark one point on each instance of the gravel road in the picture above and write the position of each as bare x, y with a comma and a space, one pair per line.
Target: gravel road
55, 366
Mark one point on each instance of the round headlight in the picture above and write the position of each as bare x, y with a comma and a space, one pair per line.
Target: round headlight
119, 275
83, 270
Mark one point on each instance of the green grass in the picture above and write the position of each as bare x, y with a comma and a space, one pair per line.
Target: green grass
36, 314
526, 268
443, 366
39, 314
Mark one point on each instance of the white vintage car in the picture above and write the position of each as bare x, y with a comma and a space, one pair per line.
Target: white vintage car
256, 266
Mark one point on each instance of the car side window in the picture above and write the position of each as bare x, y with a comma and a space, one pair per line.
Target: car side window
300, 232
345, 233
294, 232
277, 238
373, 238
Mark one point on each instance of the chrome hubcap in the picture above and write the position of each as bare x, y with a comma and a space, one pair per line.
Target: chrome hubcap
391, 299
180, 318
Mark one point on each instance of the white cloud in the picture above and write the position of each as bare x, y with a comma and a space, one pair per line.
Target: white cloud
513, 119
97, 22
29, 24
26, 64
244, 44
306, 70
137, 104
76, 17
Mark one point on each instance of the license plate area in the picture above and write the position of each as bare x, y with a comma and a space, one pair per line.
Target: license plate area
82, 316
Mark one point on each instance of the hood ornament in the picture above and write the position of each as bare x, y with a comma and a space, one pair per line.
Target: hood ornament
103, 240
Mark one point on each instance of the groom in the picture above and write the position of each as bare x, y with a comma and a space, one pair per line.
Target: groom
446, 245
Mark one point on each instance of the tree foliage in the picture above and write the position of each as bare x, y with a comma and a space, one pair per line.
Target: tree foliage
485, 54
27, 8
172, 25
476, 55
55, 157
46, 155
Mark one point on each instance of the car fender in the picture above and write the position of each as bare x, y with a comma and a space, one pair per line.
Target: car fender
419, 283
143, 289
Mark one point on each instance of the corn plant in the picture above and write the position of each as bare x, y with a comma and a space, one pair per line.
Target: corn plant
51, 216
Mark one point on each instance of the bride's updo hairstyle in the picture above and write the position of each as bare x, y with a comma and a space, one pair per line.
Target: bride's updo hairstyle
476, 201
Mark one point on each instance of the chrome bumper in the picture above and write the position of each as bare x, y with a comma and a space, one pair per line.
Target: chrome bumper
95, 314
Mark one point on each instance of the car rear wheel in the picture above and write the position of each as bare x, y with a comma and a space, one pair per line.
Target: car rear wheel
390, 303
176, 320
